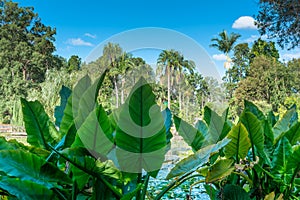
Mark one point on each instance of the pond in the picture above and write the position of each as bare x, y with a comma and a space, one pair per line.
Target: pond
179, 150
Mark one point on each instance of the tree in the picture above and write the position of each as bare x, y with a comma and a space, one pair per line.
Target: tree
267, 81
280, 19
239, 69
111, 54
170, 61
225, 44
26, 47
74, 63
261, 47
293, 68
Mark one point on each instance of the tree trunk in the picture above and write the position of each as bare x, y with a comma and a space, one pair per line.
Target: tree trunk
169, 86
187, 107
202, 101
179, 99
122, 91
116, 91
24, 74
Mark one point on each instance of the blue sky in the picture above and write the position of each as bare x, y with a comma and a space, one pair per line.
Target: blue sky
82, 25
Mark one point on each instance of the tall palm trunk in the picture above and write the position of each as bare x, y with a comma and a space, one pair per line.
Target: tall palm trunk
169, 86
117, 92
179, 99
122, 91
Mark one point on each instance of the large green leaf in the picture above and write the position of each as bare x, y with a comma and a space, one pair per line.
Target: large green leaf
67, 127
211, 191
15, 145
196, 160
95, 133
64, 93
37, 124
288, 120
202, 127
294, 159
85, 93
85, 166
221, 169
67, 119
293, 134
251, 107
191, 135
255, 131
240, 143
24, 189
272, 119
140, 133
234, 192
269, 138
218, 126
87, 101
82, 85
280, 158
27, 166
254, 128
131, 194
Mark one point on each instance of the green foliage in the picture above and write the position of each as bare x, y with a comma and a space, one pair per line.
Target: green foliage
26, 47
138, 133
197, 160
191, 135
279, 19
239, 145
73, 165
59, 110
233, 192
226, 42
263, 48
267, 81
37, 125
74, 63
251, 164
258, 155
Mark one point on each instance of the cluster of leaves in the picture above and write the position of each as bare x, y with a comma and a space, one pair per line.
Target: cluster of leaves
280, 19
73, 162
257, 157
257, 75
261, 159
27, 47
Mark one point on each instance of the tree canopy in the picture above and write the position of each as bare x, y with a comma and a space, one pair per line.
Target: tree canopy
280, 19
26, 52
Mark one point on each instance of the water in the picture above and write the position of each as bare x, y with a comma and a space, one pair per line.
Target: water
178, 151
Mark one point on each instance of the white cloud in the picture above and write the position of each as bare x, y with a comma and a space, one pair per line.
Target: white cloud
90, 35
79, 42
251, 39
244, 22
219, 57
290, 55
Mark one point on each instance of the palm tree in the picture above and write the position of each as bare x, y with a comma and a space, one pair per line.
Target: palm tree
171, 61
111, 53
124, 64
225, 44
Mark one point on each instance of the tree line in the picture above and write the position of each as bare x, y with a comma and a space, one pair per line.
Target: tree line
29, 68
